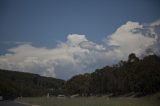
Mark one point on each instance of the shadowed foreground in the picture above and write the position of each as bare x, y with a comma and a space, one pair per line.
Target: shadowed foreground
11, 103
94, 101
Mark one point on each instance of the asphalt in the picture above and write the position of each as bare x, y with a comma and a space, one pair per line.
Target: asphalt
11, 103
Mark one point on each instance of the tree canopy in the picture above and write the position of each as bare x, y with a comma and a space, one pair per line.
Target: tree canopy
16, 84
141, 76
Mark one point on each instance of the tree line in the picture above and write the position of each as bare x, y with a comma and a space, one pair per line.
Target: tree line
134, 76
20, 84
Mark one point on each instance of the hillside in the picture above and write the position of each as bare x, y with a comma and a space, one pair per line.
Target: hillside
133, 77
15, 84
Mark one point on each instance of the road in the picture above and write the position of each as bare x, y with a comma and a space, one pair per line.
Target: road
11, 103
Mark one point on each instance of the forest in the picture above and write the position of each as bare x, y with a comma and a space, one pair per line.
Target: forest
134, 76
20, 84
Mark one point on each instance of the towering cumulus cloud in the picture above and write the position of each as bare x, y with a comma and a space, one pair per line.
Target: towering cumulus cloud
79, 55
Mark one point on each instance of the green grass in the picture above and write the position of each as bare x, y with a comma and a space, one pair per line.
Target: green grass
93, 101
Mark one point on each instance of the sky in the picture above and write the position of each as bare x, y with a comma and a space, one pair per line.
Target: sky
62, 38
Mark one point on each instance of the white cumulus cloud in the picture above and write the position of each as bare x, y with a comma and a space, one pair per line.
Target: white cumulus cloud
79, 55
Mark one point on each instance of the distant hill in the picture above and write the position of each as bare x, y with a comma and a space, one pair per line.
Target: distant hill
16, 84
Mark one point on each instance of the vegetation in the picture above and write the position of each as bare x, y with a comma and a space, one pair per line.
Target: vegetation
16, 84
135, 76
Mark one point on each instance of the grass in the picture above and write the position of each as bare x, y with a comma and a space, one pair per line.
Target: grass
93, 101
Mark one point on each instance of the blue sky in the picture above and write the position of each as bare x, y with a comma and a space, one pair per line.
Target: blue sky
46, 23
43, 22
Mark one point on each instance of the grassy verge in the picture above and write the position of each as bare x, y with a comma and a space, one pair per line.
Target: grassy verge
152, 100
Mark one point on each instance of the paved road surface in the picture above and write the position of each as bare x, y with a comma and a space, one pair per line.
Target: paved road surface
11, 103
